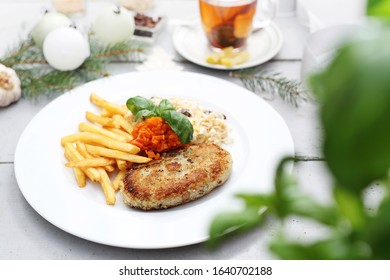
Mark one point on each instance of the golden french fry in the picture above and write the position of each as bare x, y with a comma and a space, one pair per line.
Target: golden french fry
106, 114
122, 164
123, 123
109, 168
107, 186
118, 179
99, 151
74, 155
78, 173
120, 132
93, 138
91, 162
83, 151
99, 119
111, 107
89, 127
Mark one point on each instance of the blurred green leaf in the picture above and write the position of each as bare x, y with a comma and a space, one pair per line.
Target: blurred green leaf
350, 206
291, 201
257, 200
227, 224
335, 248
355, 113
378, 8
377, 232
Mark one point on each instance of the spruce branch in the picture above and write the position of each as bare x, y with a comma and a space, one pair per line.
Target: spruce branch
38, 78
261, 81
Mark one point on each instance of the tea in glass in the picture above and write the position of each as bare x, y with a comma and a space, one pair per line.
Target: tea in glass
227, 23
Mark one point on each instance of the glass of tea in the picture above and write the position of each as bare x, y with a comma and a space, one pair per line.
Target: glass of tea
228, 23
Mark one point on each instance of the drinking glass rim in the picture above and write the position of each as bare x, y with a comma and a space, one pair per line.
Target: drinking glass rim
235, 2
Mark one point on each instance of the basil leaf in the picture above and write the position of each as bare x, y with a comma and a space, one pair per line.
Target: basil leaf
180, 124
139, 103
230, 223
164, 105
144, 113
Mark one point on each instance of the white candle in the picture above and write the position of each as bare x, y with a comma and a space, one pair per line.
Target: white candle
136, 5
69, 6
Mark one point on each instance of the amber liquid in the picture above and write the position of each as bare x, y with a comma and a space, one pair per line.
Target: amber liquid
227, 25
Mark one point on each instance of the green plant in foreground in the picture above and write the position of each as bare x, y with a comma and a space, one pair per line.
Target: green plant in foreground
354, 97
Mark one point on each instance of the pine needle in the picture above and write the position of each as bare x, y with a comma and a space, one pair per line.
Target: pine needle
260, 82
39, 79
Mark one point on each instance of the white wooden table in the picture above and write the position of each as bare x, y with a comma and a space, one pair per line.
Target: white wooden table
24, 234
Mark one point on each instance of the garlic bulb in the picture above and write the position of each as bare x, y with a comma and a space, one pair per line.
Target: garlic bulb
10, 90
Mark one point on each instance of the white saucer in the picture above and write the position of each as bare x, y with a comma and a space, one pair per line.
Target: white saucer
191, 43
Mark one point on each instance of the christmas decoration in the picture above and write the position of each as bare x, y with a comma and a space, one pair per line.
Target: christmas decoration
261, 81
10, 89
48, 23
69, 6
136, 5
65, 49
39, 79
113, 25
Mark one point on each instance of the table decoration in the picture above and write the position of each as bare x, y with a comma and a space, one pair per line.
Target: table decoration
66, 49
263, 82
159, 59
10, 90
69, 6
49, 22
113, 24
68, 59
136, 5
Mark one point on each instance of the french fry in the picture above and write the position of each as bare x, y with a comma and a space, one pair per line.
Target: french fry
106, 114
107, 186
78, 173
102, 144
91, 162
89, 127
99, 151
123, 123
109, 168
111, 107
122, 164
99, 119
120, 132
118, 179
83, 151
74, 155
93, 138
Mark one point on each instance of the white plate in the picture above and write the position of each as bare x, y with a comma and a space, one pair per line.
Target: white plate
260, 136
191, 43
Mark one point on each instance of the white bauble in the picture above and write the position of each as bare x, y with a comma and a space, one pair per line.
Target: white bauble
65, 48
48, 23
114, 25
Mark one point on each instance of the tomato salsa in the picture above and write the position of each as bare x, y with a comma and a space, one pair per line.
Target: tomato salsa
154, 136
